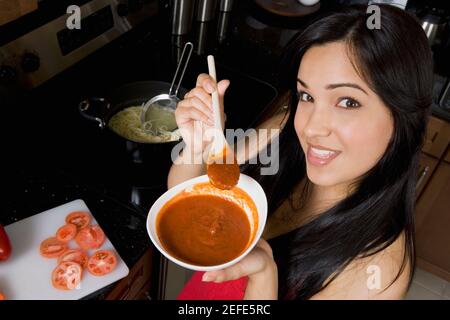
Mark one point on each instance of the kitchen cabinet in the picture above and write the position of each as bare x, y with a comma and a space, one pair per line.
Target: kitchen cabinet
447, 156
437, 137
136, 286
433, 204
433, 225
427, 165
13, 9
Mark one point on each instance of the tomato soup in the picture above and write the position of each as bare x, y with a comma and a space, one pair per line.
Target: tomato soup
224, 173
205, 228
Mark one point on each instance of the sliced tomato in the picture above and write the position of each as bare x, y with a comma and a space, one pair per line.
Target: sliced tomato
102, 262
67, 275
79, 218
52, 247
76, 255
91, 237
67, 232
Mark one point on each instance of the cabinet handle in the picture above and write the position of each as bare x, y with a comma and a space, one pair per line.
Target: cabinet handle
422, 176
434, 137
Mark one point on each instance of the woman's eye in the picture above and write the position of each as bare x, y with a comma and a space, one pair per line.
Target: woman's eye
349, 103
303, 96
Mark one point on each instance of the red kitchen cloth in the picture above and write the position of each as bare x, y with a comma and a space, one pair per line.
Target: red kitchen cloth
196, 289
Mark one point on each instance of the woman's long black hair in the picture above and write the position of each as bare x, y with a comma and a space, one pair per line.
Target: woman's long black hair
396, 62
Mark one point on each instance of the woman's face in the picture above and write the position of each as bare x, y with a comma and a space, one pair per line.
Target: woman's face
343, 126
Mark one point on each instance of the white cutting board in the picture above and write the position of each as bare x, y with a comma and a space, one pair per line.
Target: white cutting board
26, 275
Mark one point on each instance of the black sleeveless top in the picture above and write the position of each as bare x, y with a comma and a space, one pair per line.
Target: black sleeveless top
280, 247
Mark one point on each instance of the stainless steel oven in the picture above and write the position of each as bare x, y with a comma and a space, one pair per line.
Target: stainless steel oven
50, 48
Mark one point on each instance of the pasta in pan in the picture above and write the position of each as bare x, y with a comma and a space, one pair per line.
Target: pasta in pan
127, 123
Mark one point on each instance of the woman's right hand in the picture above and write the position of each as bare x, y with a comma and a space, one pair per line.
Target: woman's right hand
194, 114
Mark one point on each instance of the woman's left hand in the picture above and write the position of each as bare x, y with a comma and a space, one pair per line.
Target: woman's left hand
260, 268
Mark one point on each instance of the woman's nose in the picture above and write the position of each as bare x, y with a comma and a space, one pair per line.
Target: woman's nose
318, 123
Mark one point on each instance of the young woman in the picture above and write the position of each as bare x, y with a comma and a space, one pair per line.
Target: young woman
341, 204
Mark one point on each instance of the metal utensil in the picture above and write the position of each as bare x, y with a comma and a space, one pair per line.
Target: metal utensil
182, 16
434, 22
166, 100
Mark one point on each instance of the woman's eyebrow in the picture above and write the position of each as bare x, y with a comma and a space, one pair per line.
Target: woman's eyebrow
302, 83
351, 85
335, 85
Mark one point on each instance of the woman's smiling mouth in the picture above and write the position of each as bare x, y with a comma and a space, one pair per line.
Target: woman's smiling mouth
320, 156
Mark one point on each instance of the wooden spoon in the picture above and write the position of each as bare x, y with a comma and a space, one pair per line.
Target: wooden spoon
222, 167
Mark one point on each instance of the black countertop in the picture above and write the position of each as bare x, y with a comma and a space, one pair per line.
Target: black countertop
34, 190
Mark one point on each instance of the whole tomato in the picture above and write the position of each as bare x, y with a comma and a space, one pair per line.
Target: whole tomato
5, 245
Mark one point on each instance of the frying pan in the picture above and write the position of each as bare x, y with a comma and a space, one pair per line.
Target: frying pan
101, 109
132, 94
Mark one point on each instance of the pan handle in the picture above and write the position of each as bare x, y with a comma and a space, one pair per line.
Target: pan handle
86, 104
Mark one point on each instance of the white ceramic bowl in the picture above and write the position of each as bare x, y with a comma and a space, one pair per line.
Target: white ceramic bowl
246, 183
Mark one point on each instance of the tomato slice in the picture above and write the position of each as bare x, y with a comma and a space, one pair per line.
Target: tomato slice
79, 218
76, 255
52, 248
67, 275
67, 232
91, 237
102, 262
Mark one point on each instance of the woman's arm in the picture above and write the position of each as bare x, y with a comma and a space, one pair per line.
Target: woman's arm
185, 170
263, 285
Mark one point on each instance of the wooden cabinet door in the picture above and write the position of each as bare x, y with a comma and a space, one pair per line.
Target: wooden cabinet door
13, 9
427, 165
433, 224
142, 276
138, 279
447, 156
437, 137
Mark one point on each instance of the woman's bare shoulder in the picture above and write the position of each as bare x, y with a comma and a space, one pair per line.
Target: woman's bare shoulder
372, 277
